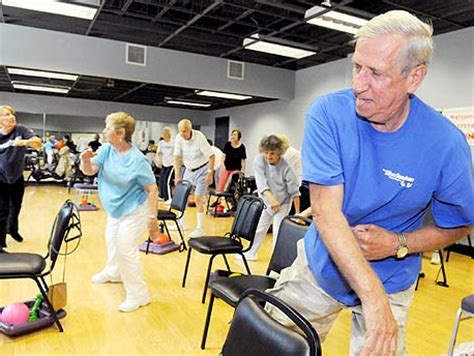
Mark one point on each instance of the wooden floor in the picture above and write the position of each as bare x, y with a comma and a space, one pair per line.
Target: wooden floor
172, 323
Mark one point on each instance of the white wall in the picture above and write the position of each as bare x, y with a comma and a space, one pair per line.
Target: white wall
449, 84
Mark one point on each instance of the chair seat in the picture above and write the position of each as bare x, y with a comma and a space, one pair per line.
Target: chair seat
21, 263
221, 194
230, 289
166, 215
467, 303
215, 244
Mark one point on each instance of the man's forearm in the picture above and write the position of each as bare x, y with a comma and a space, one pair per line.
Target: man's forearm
326, 205
433, 238
177, 168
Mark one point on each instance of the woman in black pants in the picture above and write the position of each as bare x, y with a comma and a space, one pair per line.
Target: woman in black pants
13, 142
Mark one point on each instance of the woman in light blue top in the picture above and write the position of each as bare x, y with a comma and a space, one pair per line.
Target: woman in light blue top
128, 192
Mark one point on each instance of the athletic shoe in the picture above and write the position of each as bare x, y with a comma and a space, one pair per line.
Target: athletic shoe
167, 202
102, 277
248, 257
435, 258
3, 250
132, 304
197, 232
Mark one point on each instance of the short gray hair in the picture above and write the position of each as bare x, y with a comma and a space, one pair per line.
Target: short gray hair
273, 143
419, 46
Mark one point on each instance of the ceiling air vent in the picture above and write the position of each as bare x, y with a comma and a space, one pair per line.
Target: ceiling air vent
136, 54
235, 70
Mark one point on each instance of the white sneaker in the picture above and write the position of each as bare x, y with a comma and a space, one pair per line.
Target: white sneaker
197, 232
435, 258
248, 257
102, 277
131, 304
167, 202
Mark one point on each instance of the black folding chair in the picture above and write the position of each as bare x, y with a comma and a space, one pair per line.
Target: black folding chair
231, 289
249, 210
227, 195
175, 211
66, 228
253, 331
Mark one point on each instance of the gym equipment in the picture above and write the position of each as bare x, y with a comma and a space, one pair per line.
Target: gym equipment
162, 237
15, 313
83, 191
158, 249
34, 310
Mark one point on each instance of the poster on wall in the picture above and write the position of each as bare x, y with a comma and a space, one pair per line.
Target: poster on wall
463, 118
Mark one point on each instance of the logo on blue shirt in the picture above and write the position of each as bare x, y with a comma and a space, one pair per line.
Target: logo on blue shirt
405, 181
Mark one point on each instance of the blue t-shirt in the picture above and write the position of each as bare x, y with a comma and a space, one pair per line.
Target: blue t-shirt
389, 180
122, 178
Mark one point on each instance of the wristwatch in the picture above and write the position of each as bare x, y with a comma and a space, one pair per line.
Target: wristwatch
402, 249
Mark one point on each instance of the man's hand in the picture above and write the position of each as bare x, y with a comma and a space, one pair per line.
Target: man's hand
375, 242
381, 328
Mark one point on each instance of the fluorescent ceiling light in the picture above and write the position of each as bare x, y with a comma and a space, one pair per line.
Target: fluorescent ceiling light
216, 94
42, 74
334, 20
60, 90
54, 7
270, 45
189, 103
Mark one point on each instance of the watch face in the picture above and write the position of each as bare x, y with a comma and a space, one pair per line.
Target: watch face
402, 251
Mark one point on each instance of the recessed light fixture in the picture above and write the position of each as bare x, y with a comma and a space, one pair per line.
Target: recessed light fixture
188, 103
277, 46
55, 7
334, 20
49, 89
216, 94
41, 74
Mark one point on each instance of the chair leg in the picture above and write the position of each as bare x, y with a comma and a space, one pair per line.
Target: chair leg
167, 230
444, 282
226, 262
48, 303
182, 245
188, 258
246, 264
148, 245
204, 292
455, 332
208, 321
208, 203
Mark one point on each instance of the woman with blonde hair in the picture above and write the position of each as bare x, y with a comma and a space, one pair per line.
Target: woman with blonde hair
14, 139
128, 192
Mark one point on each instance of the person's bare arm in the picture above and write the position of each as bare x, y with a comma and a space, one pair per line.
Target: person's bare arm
152, 191
87, 167
210, 169
177, 169
377, 243
382, 330
33, 142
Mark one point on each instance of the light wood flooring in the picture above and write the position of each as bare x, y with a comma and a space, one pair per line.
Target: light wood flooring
172, 324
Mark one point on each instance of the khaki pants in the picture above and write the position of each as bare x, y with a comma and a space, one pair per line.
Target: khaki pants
297, 287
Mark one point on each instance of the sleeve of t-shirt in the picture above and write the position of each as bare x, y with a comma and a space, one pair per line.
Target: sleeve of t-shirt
226, 149
453, 200
26, 133
244, 152
259, 171
99, 158
320, 153
205, 147
292, 183
144, 172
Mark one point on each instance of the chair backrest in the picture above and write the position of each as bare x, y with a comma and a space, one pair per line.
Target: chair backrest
248, 212
285, 249
234, 180
66, 228
181, 195
254, 332
241, 186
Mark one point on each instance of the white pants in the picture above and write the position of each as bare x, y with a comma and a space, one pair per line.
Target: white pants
122, 236
297, 286
264, 223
